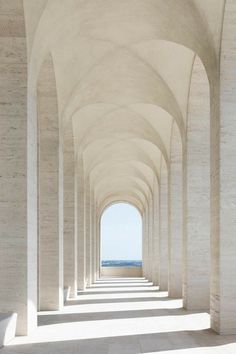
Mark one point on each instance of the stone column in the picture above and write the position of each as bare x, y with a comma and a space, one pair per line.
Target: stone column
98, 248
87, 232
70, 242
81, 242
50, 183
18, 177
145, 245
155, 243
176, 216
223, 280
196, 285
164, 228
93, 238
150, 238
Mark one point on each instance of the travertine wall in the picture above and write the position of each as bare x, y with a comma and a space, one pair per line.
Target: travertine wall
80, 220
145, 246
176, 217
18, 260
156, 235
223, 291
150, 238
196, 284
121, 272
164, 229
49, 190
93, 238
138, 112
70, 241
88, 235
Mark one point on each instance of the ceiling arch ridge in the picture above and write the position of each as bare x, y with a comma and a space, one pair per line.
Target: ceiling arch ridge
181, 127
58, 27
71, 16
121, 202
137, 154
132, 52
111, 201
166, 99
121, 177
104, 168
119, 168
121, 194
145, 166
136, 131
127, 107
116, 184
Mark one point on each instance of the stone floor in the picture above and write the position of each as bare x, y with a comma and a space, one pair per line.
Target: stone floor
122, 316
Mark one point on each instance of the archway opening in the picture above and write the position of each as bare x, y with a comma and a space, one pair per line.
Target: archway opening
121, 241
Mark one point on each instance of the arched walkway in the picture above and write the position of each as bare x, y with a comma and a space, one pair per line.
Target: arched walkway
104, 102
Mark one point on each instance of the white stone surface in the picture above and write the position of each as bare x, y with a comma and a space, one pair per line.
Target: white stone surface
223, 292
121, 271
70, 245
123, 315
50, 234
7, 328
196, 272
164, 229
122, 77
18, 200
175, 217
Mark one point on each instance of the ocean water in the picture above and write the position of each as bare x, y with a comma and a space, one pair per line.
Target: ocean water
121, 263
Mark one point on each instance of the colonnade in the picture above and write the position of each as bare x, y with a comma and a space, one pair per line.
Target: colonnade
154, 129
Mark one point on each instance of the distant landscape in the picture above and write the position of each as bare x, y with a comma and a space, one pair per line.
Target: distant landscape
122, 263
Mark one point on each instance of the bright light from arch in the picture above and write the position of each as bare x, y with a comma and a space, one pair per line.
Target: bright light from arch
121, 233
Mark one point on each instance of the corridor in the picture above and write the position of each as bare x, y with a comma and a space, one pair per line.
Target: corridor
122, 316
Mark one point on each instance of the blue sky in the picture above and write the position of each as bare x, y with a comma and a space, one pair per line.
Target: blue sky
121, 233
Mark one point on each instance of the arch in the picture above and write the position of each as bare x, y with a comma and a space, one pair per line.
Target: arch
110, 126
122, 239
200, 39
126, 198
119, 179
109, 204
127, 169
122, 151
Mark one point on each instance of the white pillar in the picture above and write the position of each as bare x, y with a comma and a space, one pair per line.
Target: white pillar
176, 216
223, 279
81, 242
98, 248
93, 237
150, 238
50, 175
70, 242
164, 228
87, 232
145, 245
196, 285
18, 190
155, 243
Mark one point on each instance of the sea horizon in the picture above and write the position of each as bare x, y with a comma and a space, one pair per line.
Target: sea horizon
121, 263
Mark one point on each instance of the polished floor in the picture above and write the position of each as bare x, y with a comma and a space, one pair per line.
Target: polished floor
122, 316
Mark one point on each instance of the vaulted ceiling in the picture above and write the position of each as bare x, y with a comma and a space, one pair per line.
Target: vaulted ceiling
123, 70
